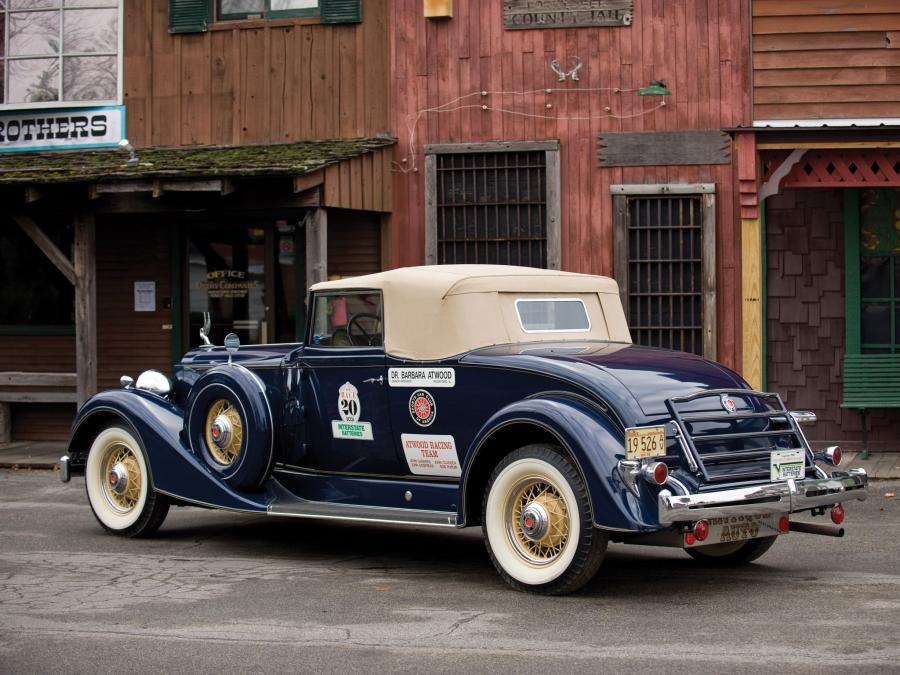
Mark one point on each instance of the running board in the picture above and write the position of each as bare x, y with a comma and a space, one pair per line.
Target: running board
370, 514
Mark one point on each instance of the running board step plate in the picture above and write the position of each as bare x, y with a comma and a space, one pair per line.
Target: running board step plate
372, 514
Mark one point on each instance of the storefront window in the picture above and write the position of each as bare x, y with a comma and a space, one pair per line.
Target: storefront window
35, 297
226, 277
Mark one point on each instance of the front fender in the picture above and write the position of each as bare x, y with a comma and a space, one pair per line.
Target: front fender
593, 442
174, 469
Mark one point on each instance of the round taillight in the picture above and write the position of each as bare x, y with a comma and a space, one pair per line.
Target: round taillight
689, 539
701, 530
784, 524
657, 473
660, 473
836, 456
837, 515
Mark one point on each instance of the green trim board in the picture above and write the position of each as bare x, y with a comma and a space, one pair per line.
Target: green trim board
851, 271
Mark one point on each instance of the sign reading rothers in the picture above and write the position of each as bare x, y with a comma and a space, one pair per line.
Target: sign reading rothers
62, 129
524, 14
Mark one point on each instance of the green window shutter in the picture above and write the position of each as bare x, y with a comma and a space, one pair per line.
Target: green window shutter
340, 11
188, 16
851, 270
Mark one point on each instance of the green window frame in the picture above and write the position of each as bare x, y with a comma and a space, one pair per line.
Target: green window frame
872, 250
194, 16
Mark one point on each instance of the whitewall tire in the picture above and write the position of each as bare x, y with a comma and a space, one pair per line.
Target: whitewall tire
119, 487
537, 522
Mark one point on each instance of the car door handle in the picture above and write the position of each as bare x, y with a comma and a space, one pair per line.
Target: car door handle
374, 380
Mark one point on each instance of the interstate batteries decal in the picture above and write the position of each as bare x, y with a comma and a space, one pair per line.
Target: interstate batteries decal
422, 377
429, 455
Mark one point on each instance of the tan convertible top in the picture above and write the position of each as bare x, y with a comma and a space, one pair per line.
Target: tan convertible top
438, 311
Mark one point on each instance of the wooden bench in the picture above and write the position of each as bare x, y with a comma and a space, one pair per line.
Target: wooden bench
23, 387
871, 381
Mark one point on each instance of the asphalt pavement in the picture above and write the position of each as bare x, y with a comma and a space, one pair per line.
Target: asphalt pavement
218, 592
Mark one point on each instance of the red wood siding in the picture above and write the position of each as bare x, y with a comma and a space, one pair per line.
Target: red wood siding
698, 47
246, 82
805, 331
817, 59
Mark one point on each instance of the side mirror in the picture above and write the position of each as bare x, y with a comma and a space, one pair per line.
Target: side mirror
232, 344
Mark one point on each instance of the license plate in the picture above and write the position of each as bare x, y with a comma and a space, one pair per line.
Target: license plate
643, 442
728, 529
787, 464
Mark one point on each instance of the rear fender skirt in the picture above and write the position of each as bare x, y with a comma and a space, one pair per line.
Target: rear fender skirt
590, 438
174, 469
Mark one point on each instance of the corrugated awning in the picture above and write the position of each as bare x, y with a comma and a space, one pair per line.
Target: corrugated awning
287, 159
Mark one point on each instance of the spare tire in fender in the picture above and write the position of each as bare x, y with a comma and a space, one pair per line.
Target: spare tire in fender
229, 424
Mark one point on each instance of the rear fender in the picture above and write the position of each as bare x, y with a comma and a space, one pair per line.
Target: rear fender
158, 424
589, 437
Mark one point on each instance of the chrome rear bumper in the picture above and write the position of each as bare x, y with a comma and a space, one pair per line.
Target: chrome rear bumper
786, 497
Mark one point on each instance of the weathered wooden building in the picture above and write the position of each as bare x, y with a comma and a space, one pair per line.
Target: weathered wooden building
531, 133
260, 131
819, 175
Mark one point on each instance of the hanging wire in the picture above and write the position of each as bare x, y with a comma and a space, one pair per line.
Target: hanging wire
450, 106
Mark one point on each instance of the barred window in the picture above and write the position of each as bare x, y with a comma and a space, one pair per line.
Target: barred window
666, 269
494, 203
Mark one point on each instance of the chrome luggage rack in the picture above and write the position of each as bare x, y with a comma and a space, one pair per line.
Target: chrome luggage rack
717, 466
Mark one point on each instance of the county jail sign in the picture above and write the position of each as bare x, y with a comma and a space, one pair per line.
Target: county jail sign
48, 129
524, 14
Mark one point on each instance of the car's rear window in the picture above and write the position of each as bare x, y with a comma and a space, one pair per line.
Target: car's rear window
553, 315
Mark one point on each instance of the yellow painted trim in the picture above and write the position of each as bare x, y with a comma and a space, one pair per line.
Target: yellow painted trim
751, 301
823, 145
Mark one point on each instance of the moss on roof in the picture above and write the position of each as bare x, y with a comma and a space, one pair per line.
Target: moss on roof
193, 162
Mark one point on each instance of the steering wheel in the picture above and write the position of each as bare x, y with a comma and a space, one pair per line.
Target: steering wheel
367, 340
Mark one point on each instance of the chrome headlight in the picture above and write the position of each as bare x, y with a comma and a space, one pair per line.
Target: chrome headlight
155, 382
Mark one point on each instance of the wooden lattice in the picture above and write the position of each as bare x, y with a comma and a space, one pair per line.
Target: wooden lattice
846, 168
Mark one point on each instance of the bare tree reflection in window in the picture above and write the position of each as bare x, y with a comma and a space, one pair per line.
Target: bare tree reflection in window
33, 80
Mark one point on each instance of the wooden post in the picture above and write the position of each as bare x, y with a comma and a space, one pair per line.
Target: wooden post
751, 293
5, 423
85, 306
316, 247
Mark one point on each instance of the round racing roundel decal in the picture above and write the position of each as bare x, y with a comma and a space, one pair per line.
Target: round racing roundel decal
422, 408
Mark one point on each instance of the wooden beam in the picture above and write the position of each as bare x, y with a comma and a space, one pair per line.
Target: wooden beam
828, 145
316, 247
31, 379
306, 181
85, 306
43, 242
751, 294
38, 397
32, 194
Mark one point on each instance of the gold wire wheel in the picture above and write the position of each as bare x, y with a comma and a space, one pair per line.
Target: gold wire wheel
120, 457
224, 454
545, 499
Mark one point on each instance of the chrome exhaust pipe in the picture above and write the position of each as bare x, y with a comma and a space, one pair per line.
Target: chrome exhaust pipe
810, 528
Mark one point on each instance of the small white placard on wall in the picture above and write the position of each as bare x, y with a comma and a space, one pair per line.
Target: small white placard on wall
144, 296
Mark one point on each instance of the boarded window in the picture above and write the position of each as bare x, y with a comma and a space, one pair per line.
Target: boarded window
665, 269
493, 207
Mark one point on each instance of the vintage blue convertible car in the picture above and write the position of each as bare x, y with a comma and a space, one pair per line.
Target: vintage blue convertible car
455, 396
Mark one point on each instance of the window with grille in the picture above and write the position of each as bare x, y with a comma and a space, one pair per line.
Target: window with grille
493, 204
666, 270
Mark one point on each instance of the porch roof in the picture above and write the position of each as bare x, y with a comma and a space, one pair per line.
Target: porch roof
284, 159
